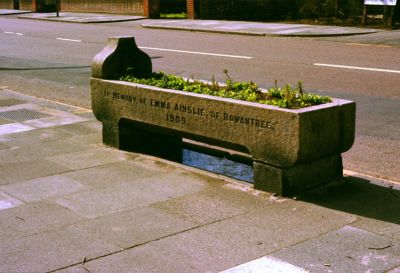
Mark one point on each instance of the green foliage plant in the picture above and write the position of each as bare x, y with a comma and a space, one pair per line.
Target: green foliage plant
181, 15
284, 97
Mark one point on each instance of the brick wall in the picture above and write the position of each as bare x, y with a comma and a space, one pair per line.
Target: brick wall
6, 4
27, 5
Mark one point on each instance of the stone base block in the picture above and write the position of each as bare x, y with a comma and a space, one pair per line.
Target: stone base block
129, 136
299, 178
111, 135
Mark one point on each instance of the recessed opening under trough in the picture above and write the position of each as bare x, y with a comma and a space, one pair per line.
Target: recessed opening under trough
207, 154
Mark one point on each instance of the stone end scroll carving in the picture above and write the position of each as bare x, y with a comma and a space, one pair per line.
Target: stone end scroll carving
119, 54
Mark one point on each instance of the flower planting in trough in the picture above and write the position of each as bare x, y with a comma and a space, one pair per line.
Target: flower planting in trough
292, 149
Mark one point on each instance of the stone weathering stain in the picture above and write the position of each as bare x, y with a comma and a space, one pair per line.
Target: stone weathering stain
292, 150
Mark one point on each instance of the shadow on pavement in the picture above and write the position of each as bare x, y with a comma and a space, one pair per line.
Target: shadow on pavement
360, 197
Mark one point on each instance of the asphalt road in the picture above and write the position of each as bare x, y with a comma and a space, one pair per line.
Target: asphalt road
52, 60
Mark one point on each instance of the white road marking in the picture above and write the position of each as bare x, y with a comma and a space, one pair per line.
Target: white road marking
13, 33
266, 264
69, 40
197, 52
359, 68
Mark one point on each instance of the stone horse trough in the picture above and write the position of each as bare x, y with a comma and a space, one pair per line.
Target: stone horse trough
291, 150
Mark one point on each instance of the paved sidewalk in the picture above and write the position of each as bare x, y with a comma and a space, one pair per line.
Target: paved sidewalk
258, 29
13, 11
70, 204
77, 17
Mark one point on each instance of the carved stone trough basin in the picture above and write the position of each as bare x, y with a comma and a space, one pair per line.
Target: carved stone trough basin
292, 150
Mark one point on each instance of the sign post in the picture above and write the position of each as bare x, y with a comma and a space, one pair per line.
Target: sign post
58, 7
388, 10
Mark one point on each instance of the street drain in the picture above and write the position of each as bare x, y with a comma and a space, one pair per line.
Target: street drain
22, 115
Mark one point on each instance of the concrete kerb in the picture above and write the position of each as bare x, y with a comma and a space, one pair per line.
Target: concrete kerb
206, 30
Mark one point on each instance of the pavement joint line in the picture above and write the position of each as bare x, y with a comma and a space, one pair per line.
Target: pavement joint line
395, 267
86, 260
5, 88
295, 244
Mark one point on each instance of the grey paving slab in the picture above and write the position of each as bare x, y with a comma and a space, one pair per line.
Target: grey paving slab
88, 158
4, 146
35, 151
43, 188
214, 204
49, 251
27, 170
387, 229
125, 196
89, 139
348, 249
117, 172
81, 128
138, 226
7, 202
34, 218
225, 244
34, 136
